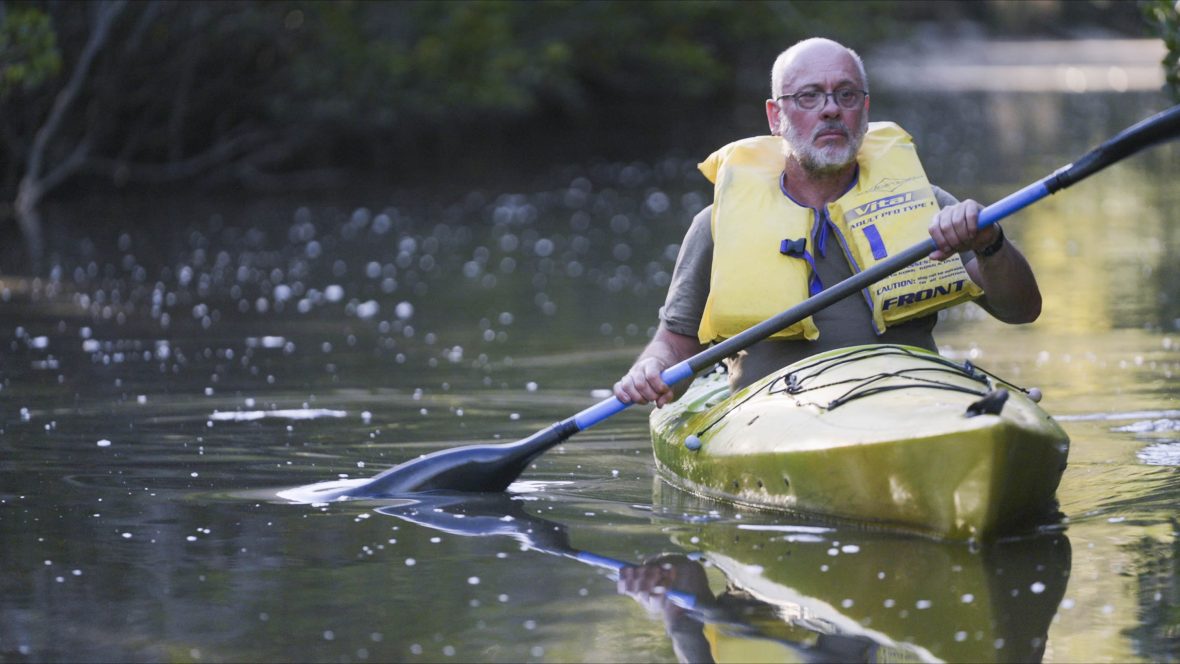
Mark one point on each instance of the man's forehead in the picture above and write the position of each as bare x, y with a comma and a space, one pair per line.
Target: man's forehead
821, 68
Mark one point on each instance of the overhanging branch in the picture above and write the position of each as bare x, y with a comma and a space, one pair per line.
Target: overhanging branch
107, 13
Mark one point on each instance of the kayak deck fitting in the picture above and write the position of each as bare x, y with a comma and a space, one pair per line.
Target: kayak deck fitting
883, 435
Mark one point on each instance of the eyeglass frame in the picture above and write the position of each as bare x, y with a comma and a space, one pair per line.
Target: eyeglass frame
864, 94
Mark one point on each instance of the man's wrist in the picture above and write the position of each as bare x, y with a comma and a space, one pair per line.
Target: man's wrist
995, 245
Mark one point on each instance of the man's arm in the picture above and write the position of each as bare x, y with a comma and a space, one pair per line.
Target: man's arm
642, 384
675, 339
1010, 288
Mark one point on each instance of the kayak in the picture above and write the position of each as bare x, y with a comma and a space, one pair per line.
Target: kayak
881, 435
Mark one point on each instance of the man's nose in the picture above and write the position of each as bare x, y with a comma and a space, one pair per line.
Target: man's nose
829, 108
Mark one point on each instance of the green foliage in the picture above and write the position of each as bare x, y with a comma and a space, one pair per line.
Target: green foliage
293, 84
28, 51
1164, 17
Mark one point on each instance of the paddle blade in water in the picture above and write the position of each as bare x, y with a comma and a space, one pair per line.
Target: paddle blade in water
476, 468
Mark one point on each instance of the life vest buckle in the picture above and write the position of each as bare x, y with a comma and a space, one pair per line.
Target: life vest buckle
796, 248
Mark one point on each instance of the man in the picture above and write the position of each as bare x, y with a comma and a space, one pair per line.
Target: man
838, 203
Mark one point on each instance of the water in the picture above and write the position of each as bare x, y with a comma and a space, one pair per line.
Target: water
177, 372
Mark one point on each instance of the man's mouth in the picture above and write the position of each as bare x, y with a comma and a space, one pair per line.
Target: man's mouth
831, 132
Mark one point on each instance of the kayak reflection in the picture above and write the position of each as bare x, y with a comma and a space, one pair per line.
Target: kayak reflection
914, 598
779, 591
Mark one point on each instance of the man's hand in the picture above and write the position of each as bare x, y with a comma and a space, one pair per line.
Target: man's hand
642, 384
1010, 288
956, 228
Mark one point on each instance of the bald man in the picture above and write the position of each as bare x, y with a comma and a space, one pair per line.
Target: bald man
819, 161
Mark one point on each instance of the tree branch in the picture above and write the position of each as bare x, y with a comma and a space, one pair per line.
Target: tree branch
107, 13
220, 153
65, 168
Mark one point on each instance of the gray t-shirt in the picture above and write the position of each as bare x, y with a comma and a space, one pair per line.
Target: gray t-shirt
845, 323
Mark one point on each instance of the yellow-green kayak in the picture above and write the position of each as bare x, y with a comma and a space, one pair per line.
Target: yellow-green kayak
891, 436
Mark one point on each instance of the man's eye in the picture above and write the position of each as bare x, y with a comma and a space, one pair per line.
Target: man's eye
809, 97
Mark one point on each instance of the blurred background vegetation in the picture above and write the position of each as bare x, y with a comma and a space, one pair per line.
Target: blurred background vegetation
287, 94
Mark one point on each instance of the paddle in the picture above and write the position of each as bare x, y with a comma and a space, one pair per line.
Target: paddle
494, 467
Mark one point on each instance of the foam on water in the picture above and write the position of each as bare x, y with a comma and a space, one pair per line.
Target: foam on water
285, 414
1131, 415
1150, 426
1162, 454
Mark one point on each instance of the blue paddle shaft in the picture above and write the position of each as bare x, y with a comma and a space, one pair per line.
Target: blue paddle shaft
1012, 203
607, 407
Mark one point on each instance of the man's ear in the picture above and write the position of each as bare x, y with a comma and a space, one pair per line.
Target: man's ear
774, 117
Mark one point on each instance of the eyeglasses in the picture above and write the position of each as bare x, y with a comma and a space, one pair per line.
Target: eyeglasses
810, 100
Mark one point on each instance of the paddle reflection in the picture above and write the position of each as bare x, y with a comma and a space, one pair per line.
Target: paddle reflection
776, 591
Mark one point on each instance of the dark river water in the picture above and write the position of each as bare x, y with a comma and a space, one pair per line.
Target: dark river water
188, 358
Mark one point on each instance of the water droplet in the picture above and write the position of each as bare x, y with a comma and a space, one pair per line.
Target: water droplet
366, 310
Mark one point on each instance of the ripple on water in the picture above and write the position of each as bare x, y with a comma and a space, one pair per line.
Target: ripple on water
1161, 454
1150, 426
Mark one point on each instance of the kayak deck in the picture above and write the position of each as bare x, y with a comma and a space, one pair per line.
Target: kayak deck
876, 434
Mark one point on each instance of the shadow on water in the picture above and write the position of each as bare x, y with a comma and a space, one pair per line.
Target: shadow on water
782, 591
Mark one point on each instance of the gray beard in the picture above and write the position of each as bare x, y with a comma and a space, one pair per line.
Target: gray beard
824, 161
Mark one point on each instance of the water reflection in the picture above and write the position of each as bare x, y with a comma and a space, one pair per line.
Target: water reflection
782, 591
1158, 579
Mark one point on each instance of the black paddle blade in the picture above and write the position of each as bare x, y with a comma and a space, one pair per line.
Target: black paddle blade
1159, 128
474, 468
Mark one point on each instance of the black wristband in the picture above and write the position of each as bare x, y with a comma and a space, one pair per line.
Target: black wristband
995, 246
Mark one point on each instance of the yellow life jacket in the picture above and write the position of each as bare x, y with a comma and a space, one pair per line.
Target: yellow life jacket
761, 267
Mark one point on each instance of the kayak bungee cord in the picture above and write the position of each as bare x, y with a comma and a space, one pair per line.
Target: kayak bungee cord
795, 383
967, 370
789, 384
864, 386
863, 390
